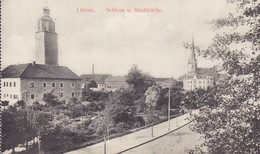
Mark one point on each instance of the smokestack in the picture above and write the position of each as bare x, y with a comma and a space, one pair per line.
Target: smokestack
92, 69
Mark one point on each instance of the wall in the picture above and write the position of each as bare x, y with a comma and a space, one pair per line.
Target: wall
51, 48
38, 90
192, 84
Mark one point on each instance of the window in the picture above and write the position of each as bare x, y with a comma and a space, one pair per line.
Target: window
73, 85
16, 96
4, 95
32, 96
61, 94
44, 94
14, 84
53, 84
44, 84
4, 84
61, 84
31, 84
73, 95
11, 96
10, 84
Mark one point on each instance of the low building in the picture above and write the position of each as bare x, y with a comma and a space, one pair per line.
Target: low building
164, 82
30, 82
98, 78
116, 82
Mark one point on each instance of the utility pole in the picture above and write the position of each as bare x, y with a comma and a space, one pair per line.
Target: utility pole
105, 148
169, 110
152, 131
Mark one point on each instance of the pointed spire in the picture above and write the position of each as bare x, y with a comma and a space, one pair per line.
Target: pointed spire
192, 58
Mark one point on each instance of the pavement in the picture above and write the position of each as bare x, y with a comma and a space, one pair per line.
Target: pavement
177, 142
120, 144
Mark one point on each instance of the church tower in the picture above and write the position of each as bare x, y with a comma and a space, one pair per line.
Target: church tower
46, 40
192, 62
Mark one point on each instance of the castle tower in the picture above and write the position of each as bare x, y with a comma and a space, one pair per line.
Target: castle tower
46, 40
192, 62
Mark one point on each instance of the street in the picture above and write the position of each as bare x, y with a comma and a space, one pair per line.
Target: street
174, 143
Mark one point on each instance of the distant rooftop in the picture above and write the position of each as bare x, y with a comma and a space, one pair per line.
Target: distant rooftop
99, 78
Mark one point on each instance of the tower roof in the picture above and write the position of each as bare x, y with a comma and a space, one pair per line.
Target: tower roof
46, 14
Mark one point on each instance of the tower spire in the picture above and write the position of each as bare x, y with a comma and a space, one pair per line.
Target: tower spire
192, 58
192, 62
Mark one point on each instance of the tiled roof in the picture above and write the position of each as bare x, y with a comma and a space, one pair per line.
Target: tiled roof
207, 72
160, 79
99, 78
39, 71
116, 79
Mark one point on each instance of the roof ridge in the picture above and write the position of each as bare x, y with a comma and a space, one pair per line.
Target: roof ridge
24, 69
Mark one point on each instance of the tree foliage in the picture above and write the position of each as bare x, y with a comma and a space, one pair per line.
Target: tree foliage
15, 128
136, 78
51, 99
230, 121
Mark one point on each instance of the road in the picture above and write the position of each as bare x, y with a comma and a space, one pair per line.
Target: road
122, 143
174, 143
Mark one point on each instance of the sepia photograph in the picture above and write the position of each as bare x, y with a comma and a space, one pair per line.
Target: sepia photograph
130, 76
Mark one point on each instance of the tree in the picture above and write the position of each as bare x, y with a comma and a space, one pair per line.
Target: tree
152, 96
230, 124
119, 110
51, 99
136, 78
5, 103
20, 104
15, 128
92, 84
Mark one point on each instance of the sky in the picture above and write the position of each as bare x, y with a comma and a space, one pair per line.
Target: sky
113, 41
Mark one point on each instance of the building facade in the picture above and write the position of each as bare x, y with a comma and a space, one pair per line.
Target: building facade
30, 82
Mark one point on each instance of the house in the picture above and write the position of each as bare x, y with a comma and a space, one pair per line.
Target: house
30, 82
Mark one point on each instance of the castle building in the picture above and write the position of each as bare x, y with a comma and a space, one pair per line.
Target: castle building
198, 78
30, 82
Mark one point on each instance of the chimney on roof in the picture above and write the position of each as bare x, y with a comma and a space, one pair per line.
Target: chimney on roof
33, 63
92, 69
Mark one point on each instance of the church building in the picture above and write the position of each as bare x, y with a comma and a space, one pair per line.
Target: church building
198, 78
30, 82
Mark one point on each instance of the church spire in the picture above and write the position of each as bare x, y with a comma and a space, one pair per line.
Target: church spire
192, 62
192, 58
